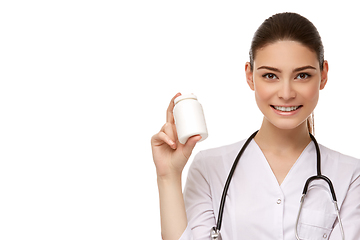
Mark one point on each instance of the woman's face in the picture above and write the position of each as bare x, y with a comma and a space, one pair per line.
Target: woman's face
286, 78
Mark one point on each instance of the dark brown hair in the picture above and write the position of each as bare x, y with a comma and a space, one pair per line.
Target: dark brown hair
287, 26
291, 27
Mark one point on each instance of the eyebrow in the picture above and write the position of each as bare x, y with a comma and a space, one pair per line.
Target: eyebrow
304, 68
278, 70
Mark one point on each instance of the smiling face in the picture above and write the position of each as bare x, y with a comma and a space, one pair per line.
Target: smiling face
286, 78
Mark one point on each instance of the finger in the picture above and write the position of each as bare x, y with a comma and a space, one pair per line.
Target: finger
161, 138
170, 130
169, 112
190, 144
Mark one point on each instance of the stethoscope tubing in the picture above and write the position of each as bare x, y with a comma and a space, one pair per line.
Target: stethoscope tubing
227, 184
215, 231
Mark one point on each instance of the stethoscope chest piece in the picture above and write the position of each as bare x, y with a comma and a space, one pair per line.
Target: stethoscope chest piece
215, 231
215, 234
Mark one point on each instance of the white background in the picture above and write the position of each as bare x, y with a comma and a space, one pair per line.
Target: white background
85, 84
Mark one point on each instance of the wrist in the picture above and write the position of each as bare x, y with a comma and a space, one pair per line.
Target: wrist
169, 180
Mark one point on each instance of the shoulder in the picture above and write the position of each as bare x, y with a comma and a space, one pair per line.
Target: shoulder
340, 162
219, 154
333, 155
209, 170
215, 161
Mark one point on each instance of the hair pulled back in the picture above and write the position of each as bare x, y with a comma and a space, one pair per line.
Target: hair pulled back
288, 27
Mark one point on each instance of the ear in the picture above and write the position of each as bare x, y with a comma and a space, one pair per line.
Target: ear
249, 76
324, 75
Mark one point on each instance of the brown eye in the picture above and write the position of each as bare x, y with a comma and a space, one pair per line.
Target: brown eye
302, 76
270, 76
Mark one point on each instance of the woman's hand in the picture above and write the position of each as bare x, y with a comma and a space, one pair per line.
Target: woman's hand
170, 156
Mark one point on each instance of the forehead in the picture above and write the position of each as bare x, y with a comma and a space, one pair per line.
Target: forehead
285, 54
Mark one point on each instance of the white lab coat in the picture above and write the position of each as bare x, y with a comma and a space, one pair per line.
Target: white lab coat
258, 208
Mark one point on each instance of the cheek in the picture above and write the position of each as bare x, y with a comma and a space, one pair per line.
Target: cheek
311, 93
263, 93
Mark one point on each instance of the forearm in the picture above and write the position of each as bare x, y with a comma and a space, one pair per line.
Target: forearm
172, 208
170, 158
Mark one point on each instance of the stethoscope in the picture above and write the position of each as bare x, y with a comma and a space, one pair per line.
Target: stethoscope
215, 231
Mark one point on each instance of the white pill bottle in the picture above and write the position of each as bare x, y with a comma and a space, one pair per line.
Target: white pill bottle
189, 118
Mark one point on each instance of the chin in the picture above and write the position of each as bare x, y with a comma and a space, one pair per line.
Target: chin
288, 124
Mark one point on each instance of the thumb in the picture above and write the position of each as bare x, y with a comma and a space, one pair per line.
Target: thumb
190, 144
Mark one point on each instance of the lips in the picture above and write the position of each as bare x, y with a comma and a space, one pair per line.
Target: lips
286, 109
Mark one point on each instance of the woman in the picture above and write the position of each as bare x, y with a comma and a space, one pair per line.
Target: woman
286, 72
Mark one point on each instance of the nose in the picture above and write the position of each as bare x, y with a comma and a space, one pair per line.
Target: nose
286, 91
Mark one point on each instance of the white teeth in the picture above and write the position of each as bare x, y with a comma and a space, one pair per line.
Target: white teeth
286, 109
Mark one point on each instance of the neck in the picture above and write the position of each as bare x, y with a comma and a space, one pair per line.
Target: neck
272, 138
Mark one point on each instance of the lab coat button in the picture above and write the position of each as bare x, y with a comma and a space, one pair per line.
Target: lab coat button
325, 235
278, 201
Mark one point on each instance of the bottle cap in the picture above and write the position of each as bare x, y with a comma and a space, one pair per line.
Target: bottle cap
186, 96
